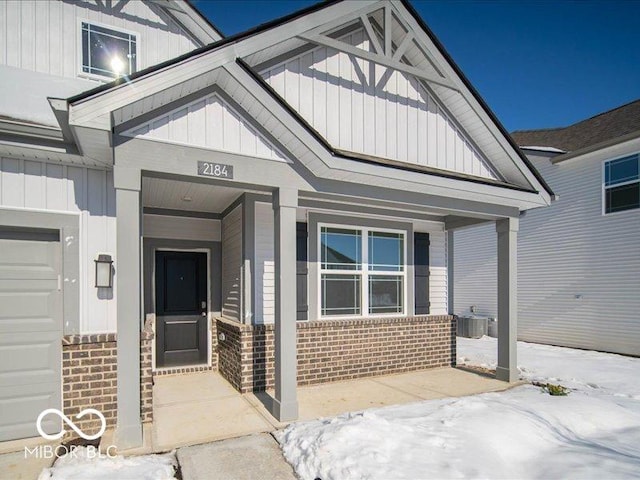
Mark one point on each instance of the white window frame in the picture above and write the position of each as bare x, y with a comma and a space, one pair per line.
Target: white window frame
621, 184
364, 271
95, 76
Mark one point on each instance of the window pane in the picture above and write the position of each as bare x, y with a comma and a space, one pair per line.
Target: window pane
622, 198
109, 55
386, 251
340, 249
132, 55
85, 49
385, 294
107, 52
621, 170
340, 294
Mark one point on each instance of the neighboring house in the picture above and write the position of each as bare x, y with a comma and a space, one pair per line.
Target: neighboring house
579, 260
275, 203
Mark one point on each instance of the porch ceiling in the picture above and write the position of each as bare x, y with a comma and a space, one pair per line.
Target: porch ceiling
179, 195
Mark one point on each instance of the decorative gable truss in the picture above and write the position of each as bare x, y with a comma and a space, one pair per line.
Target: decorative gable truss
366, 75
209, 122
358, 90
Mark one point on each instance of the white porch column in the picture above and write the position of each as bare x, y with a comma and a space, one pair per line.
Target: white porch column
507, 229
285, 405
127, 182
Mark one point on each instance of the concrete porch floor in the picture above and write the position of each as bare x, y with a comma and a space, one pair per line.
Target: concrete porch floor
198, 408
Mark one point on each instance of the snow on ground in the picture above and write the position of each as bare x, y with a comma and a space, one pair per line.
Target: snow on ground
81, 466
594, 432
584, 370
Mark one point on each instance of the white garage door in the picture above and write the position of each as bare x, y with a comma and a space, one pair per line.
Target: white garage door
30, 331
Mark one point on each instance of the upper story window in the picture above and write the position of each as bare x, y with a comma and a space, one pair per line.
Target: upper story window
107, 52
362, 271
622, 184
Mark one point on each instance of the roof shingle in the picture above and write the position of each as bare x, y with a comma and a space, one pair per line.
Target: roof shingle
603, 127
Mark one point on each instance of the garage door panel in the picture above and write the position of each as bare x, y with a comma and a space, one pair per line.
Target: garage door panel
29, 358
20, 407
36, 257
30, 333
27, 306
26, 274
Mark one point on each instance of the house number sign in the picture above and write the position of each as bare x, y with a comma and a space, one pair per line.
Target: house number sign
209, 169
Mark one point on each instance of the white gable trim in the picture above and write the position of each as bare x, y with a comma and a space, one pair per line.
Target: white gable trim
503, 146
93, 110
413, 129
209, 122
191, 19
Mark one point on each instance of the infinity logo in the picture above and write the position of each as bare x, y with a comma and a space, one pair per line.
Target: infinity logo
67, 420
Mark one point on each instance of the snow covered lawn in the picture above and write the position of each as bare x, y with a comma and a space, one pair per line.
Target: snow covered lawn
583, 370
594, 432
81, 466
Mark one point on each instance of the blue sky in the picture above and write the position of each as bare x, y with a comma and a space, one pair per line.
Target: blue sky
538, 64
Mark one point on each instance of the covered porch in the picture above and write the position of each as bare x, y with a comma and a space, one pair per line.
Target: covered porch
203, 407
262, 315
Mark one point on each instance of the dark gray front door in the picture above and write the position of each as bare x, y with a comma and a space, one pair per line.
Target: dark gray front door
181, 308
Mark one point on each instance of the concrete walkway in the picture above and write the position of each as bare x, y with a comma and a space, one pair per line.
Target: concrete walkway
202, 407
247, 458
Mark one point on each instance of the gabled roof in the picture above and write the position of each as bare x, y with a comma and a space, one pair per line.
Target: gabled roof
477, 96
191, 19
363, 158
190, 5
293, 27
599, 129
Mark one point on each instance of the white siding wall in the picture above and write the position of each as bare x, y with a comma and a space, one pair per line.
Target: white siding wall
265, 268
232, 264
438, 273
475, 258
44, 36
90, 194
569, 249
265, 280
356, 110
209, 122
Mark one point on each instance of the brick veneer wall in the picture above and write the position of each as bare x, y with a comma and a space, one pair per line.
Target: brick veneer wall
233, 352
89, 379
331, 350
146, 373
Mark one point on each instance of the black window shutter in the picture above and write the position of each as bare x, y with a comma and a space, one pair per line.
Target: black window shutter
302, 269
421, 272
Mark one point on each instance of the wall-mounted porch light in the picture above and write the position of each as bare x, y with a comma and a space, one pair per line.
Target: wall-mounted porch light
104, 271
